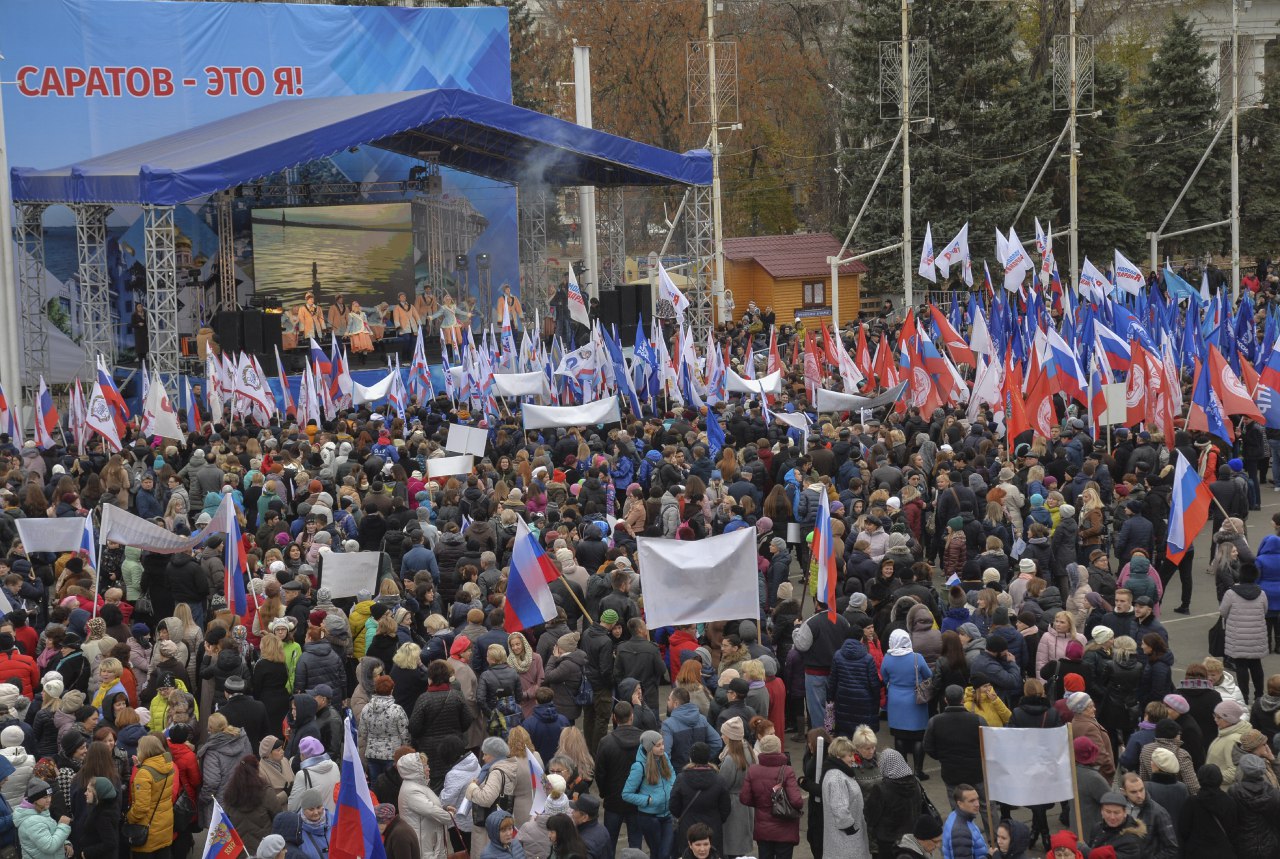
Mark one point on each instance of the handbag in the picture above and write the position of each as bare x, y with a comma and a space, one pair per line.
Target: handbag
143, 605
1218, 639
779, 803
137, 834
463, 853
924, 691
480, 813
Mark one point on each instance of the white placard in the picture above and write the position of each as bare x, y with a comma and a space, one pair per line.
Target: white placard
347, 573
447, 466
1028, 766
699, 581
51, 535
586, 415
521, 384
770, 384
1117, 406
465, 439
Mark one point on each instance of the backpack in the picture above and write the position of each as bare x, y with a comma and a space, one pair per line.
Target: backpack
506, 714
584, 694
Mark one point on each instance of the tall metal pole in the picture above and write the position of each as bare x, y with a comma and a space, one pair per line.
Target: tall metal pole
1235, 150
586, 193
1073, 235
10, 355
906, 154
717, 218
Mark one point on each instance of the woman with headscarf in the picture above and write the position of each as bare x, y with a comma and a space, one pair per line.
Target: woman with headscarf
528, 664
367, 671
902, 670
275, 768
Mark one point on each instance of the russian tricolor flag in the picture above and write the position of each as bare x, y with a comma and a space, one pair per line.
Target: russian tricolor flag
1188, 510
824, 553
235, 563
355, 830
529, 600
1114, 348
192, 407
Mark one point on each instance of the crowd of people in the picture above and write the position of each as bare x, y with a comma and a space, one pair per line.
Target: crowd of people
980, 582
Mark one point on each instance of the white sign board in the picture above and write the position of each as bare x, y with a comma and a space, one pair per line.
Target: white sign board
1028, 766
699, 581
447, 466
347, 573
1117, 407
464, 439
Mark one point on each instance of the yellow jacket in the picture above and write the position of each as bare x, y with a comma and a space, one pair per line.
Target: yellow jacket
994, 710
152, 802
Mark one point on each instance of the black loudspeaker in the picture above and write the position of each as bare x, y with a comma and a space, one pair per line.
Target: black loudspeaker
226, 327
251, 331
272, 336
624, 305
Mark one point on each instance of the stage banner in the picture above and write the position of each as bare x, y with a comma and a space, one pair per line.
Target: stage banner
770, 384
347, 573
835, 401
588, 414
699, 581
1026, 766
464, 439
521, 384
86, 78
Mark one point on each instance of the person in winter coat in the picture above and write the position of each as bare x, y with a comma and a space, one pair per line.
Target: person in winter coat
318, 772
39, 835
398, 838
95, 833
421, 808
501, 843
1125, 835
495, 782
1013, 839
1206, 816
1244, 610
221, 753
440, 711
320, 663
274, 768
1054, 641
892, 803
1257, 832
384, 727
302, 724
250, 803
902, 669
775, 835
1063, 545
853, 687
844, 829
499, 680
648, 788
1157, 670
151, 796
545, 724
14, 786
699, 796
563, 675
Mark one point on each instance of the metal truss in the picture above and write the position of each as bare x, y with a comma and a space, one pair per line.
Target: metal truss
700, 244
162, 292
698, 68
612, 241
227, 299
97, 328
534, 298
31, 297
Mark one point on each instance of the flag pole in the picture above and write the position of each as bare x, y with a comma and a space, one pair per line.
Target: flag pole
569, 587
1075, 785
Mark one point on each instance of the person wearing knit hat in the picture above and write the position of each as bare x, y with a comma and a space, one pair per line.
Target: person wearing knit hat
785, 591
732, 730
1066, 511
955, 523
1060, 843
1079, 702
1177, 703
274, 846
1164, 761
990, 575
1102, 634
1073, 683
970, 630
557, 799
609, 618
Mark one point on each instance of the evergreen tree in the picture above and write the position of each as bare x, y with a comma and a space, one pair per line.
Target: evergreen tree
1260, 175
977, 158
1176, 113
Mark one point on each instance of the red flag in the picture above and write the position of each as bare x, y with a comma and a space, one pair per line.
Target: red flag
1230, 390
956, 344
863, 356
775, 360
924, 393
1135, 394
1040, 405
1249, 377
812, 366
1015, 416
885, 369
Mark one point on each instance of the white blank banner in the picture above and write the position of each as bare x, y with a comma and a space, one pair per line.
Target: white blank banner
347, 573
447, 466
51, 535
835, 401
699, 581
770, 384
585, 415
521, 384
361, 394
1028, 766
464, 439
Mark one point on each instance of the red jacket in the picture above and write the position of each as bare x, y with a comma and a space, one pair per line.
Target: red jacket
28, 640
16, 666
678, 644
777, 704
184, 761
757, 793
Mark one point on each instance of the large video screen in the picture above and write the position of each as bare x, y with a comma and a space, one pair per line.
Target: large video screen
363, 252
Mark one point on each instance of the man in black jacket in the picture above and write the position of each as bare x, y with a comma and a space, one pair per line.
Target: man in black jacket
951, 738
640, 658
1230, 495
189, 583
298, 607
247, 714
616, 754
598, 643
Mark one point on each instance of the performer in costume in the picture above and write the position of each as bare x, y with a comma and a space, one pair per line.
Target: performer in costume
426, 305
358, 330
338, 313
452, 318
289, 328
513, 305
405, 316
310, 319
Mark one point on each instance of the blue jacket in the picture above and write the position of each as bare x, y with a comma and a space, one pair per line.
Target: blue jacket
623, 472
544, 726
853, 688
1268, 562
648, 798
683, 727
962, 839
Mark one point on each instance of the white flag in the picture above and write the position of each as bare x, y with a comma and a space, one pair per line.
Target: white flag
979, 334
161, 419
1016, 262
1093, 283
100, 418
1042, 242
926, 256
667, 289
957, 251
1128, 276
577, 301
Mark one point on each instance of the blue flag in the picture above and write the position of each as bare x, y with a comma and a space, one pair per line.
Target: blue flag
715, 434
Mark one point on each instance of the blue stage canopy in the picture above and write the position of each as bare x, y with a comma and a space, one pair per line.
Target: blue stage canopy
470, 132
